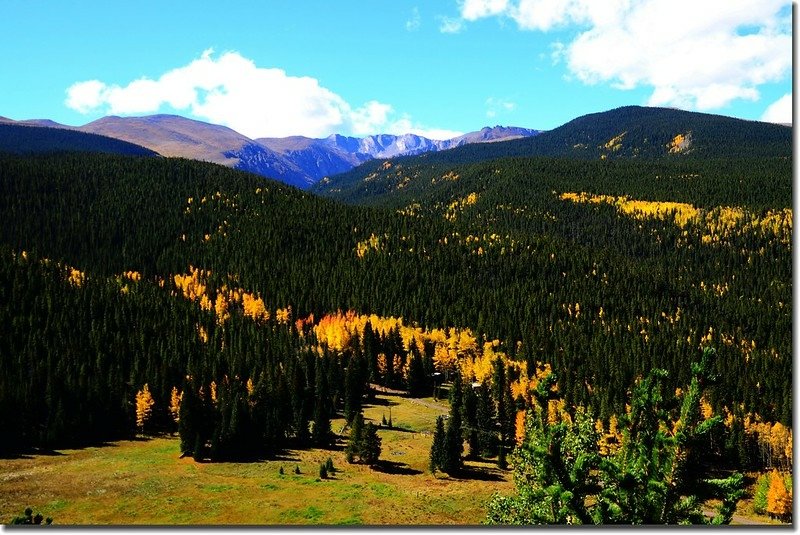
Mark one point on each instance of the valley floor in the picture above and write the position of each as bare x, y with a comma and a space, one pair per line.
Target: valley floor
144, 482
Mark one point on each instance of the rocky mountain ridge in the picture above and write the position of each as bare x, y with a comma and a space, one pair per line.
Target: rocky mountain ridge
296, 160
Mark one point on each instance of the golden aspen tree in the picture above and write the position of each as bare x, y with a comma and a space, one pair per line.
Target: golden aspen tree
283, 315
221, 309
175, 404
250, 386
144, 406
778, 436
788, 449
519, 427
779, 501
383, 365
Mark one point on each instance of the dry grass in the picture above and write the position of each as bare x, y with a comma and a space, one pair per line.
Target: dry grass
144, 482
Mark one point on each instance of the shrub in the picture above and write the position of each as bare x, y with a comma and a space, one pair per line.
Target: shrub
28, 518
760, 494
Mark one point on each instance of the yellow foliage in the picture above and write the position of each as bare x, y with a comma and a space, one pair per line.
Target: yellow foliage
283, 315
680, 143
519, 427
253, 307
680, 213
202, 333
144, 406
373, 243
221, 308
175, 404
135, 276
458, 205
779, 499
250, 386
609, 442
705, 409
615, 143
76, 277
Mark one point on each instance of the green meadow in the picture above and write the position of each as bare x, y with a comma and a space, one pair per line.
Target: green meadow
145, 482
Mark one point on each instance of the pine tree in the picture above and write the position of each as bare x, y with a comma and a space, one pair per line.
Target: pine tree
321, 430
454, 441
653, 479
370, 445
353, 388
188, 424
484, 414
417, 383
470, 419
354, 445
437, 455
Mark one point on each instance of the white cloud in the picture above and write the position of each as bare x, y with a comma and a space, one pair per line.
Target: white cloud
700, 55
476, 9
450, 25
231, 90
84, 96
405, 125
779, 111
495, 106
414, 22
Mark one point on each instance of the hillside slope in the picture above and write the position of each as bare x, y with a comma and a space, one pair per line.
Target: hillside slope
631, 133
172, 135
25, 139
537, 253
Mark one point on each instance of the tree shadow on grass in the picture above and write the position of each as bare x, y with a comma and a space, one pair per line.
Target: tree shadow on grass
381, 402
479, 474
395, 428
33, 451
394, 467
285, 457
30, 453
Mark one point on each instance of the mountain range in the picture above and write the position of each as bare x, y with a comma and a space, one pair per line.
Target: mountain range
298, 161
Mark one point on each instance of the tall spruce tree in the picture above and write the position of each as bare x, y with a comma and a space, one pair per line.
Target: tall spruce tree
437, 455
321, 429
353, 387
417, 382
353, 449
453, 440
470, 419
484, 414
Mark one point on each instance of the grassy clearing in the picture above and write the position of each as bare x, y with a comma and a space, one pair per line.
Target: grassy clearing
144, 482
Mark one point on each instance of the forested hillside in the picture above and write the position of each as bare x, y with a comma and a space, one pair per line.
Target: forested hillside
120, 272
27, 139
628, 133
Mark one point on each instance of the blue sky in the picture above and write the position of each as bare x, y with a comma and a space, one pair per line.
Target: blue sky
272, 68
